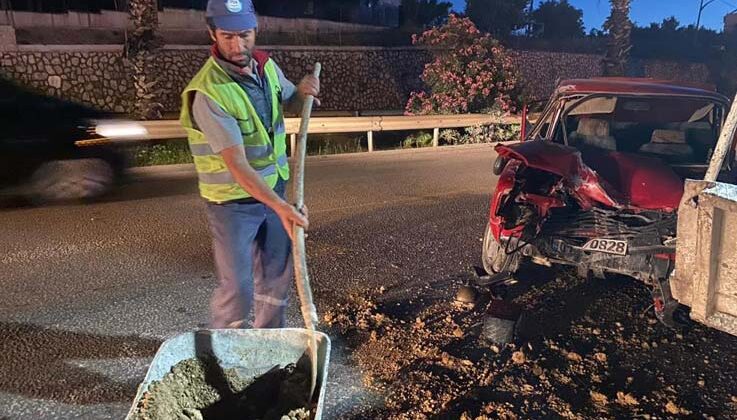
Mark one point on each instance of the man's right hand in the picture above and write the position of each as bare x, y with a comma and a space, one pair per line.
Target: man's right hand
289, 217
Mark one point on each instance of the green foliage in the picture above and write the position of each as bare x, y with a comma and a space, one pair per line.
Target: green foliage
334, 144
480, 134
619, 26
492, 133
420, 139
497, 17
555, 19
725, 66
161, 154
669, 40
423, 13
451, 136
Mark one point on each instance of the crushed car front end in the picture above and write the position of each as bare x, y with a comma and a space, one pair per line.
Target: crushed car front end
598, 181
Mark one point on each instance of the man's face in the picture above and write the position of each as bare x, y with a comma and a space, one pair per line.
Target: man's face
235, 47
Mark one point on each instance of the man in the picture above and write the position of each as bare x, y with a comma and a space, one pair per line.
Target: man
233, 113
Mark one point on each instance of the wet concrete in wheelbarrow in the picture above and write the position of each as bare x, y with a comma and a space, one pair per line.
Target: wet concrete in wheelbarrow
199, 389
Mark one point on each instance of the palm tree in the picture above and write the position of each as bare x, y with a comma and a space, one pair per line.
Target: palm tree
140, 50
619, 45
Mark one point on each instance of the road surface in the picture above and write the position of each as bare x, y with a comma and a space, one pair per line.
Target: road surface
90, 291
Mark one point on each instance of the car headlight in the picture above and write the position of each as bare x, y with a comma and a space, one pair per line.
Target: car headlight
121, 130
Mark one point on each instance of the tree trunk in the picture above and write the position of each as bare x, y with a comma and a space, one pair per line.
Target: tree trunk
619, 44
140, 52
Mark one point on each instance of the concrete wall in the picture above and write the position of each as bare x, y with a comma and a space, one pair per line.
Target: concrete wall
169, 19
7, 38
354, 79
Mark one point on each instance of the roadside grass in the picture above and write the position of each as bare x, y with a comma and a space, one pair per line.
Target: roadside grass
164, 153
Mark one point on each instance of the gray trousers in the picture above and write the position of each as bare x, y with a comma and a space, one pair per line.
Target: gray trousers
253, 265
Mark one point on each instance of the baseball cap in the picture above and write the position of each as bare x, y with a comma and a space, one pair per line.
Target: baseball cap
231, 15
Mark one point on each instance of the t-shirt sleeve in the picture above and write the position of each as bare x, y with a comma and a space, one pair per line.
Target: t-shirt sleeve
220, 128
287, 87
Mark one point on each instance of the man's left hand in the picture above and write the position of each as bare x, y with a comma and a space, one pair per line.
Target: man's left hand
309, 85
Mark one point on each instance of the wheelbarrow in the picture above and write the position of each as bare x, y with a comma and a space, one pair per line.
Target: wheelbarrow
251, 353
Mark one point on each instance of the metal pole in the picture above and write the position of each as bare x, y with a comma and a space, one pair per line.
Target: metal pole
724, 145
702, 6
370, 135
292, 144
435, 137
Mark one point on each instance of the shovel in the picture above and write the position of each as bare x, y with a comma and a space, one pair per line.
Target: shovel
309, 313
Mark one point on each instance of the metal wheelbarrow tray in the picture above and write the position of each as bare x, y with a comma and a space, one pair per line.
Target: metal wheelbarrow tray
251, 352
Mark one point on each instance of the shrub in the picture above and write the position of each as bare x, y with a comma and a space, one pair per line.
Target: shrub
161, 154
421, 139
471, 72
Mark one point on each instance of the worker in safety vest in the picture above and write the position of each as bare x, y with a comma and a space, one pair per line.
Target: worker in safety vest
233, 112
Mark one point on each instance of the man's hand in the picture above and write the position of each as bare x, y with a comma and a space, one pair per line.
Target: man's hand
309, 85
289, 217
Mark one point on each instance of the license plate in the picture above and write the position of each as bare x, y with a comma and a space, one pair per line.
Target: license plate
608, 246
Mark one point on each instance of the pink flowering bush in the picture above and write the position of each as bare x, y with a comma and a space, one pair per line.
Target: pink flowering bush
471, 72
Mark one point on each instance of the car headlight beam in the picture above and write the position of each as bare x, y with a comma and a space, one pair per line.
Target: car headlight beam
123, 130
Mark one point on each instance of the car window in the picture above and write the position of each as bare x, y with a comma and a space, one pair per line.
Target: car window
547, 117
678, 130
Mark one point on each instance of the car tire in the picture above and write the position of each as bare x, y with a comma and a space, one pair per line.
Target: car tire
71, 179
493, 256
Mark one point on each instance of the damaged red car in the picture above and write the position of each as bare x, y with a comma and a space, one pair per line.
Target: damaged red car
597, 181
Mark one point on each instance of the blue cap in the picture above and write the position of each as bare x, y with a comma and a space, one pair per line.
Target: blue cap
232, 15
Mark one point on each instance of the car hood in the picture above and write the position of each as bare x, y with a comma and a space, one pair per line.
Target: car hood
612, 178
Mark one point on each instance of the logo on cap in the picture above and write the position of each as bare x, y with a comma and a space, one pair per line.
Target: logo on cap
234, 6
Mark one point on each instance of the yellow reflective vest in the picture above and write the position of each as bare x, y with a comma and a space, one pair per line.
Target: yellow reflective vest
267, 157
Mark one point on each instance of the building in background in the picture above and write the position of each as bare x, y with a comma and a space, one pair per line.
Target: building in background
730, 22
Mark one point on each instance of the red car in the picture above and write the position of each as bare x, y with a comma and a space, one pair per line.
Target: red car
598, 180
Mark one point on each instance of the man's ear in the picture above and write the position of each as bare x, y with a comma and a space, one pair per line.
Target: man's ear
212, 34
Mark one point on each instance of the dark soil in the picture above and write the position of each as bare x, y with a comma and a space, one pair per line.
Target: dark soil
198, 389
584, 349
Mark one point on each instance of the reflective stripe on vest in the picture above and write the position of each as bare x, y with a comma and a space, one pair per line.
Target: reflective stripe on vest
268, 158
227, 178
252, 152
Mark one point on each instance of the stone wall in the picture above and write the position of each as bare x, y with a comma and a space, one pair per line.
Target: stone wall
541, 71
353, 79
97, 78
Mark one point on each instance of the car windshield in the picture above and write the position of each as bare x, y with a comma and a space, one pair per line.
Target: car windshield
678, 130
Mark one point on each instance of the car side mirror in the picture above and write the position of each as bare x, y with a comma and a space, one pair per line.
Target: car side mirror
499, 164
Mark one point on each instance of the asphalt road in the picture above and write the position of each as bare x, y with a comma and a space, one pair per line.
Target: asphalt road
90, 291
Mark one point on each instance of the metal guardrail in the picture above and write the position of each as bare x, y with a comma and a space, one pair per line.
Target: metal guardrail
171, 129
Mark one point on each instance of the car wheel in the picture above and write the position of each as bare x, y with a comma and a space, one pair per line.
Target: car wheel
71, 179
494, 258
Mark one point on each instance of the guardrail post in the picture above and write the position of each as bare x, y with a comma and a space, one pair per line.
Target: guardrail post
292, 143
435, 137
370, 135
